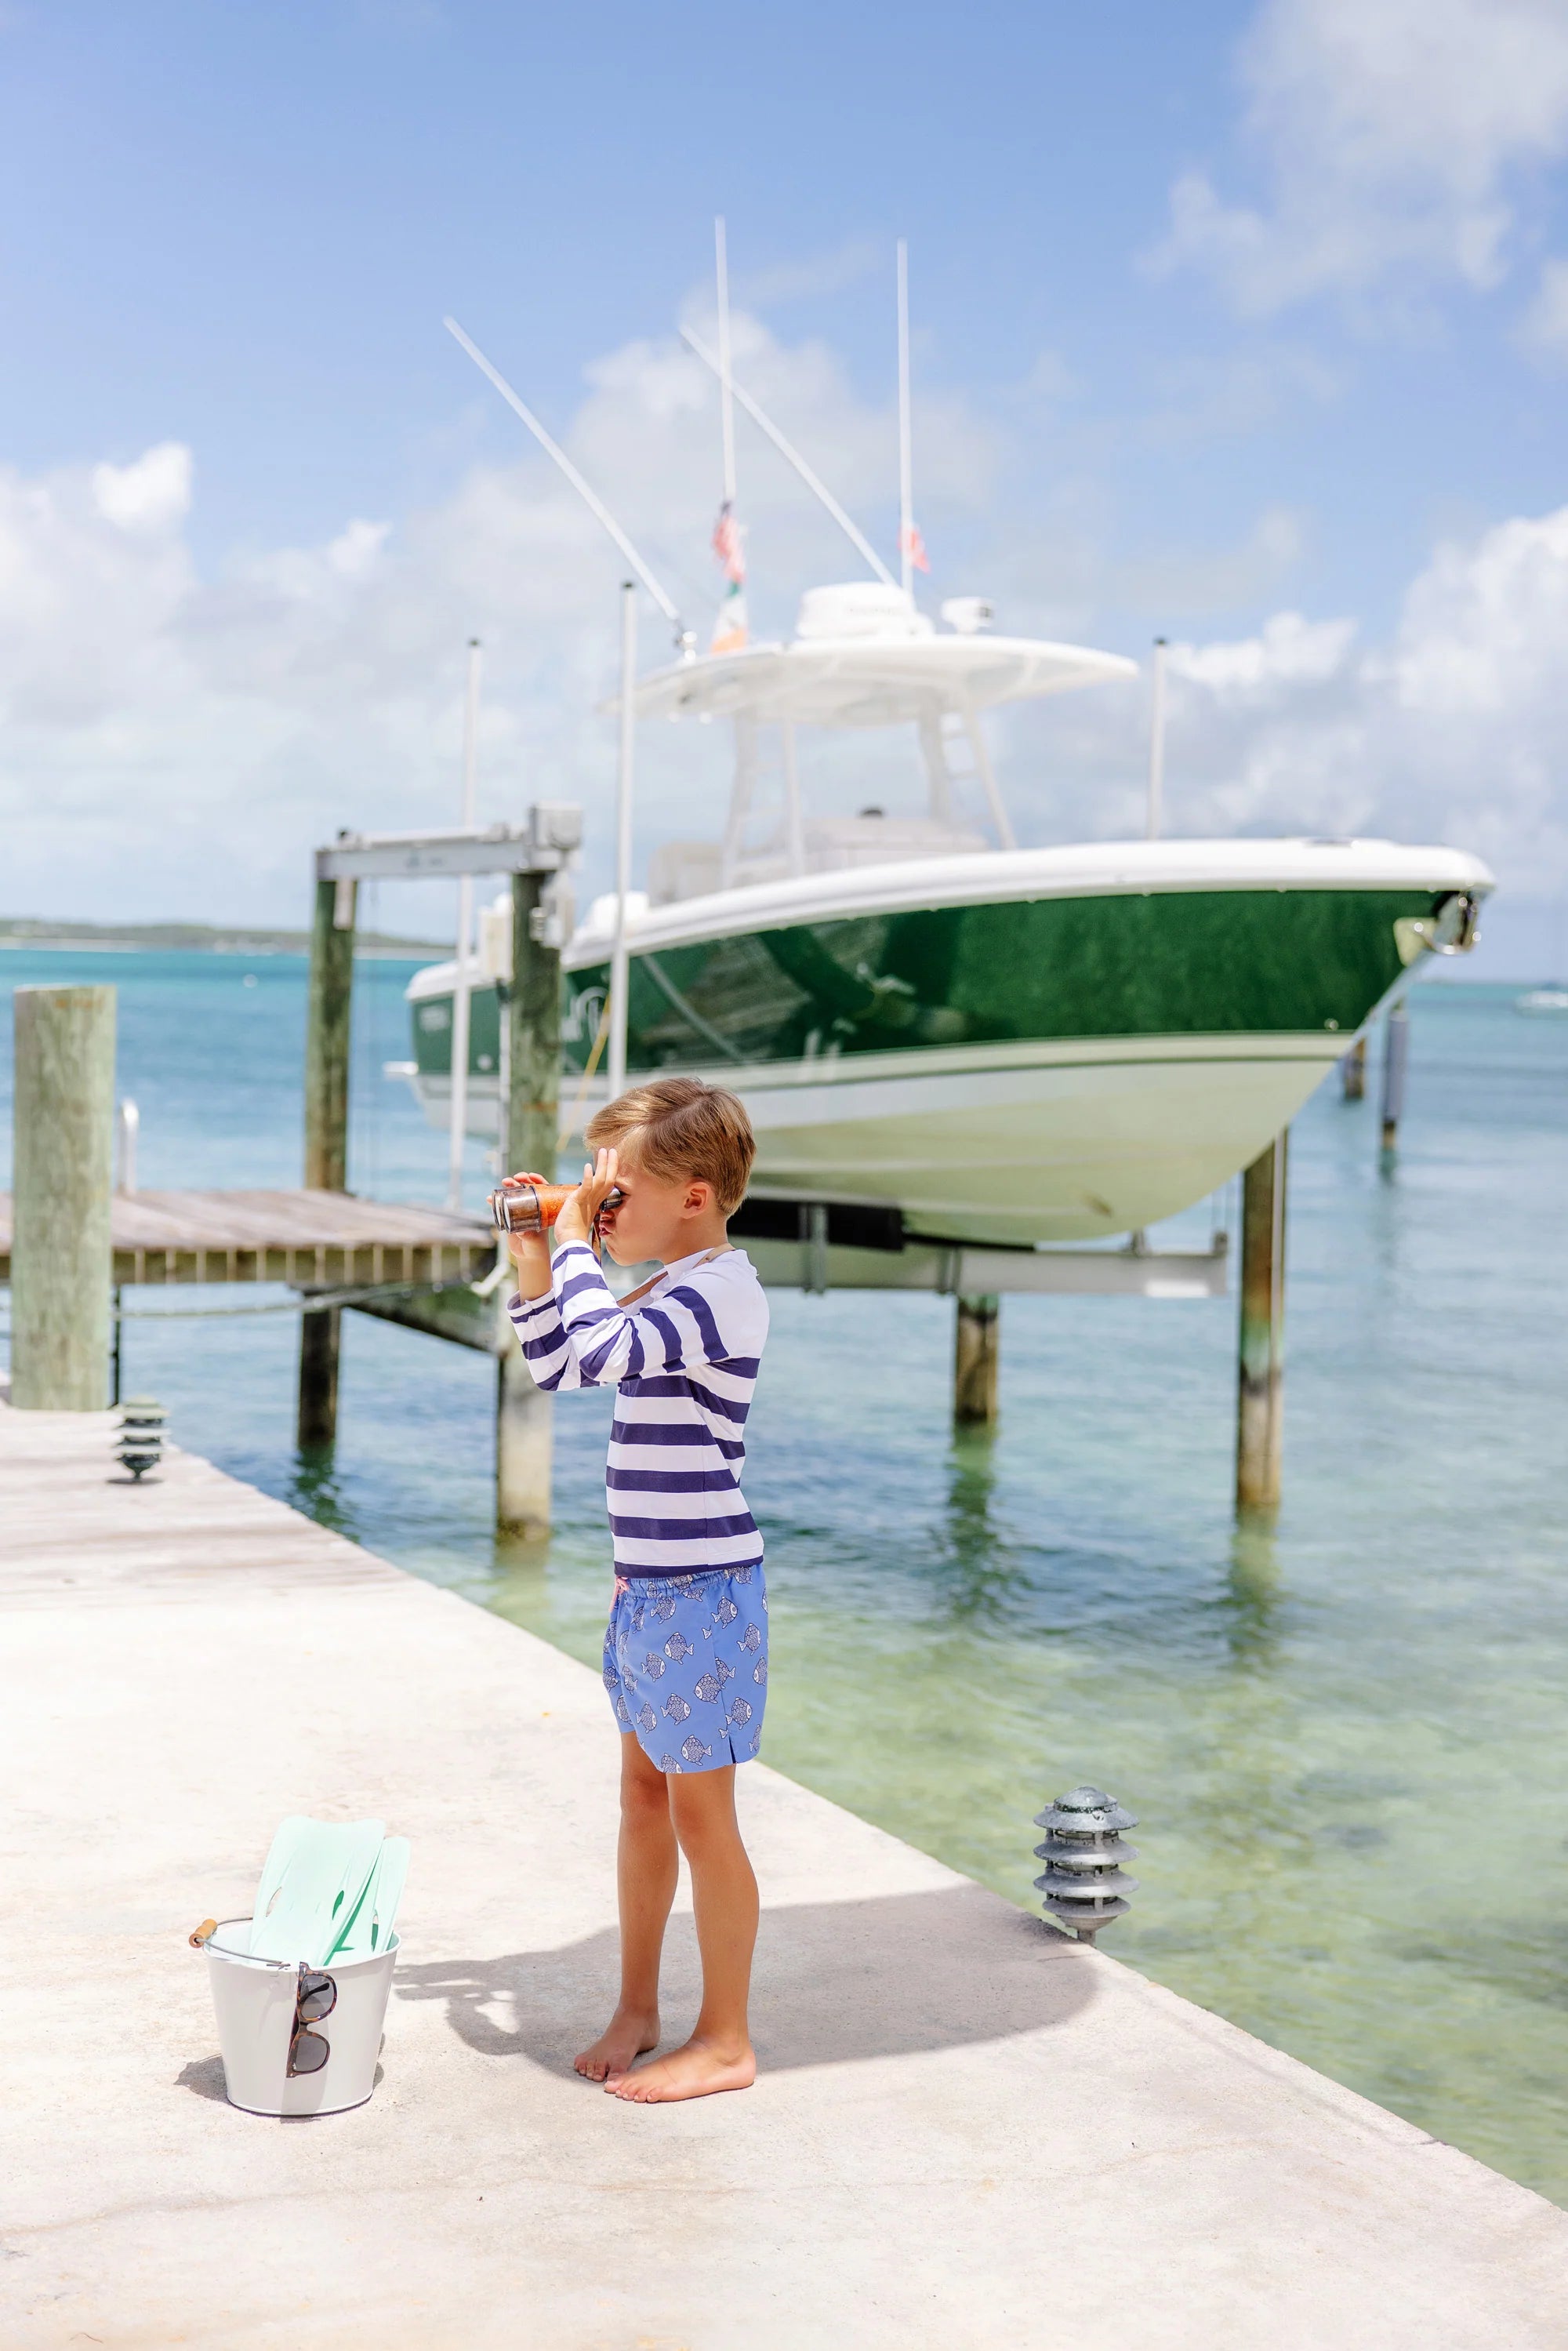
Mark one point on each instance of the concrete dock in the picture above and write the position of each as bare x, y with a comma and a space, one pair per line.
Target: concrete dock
967, 2131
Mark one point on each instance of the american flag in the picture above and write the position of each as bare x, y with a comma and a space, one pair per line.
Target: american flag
727, 545
913, 546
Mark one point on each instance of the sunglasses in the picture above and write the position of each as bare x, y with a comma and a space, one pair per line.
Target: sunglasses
317, 1996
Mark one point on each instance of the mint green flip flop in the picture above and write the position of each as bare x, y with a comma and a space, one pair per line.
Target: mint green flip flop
371, 1924
390, 1882
322, 1878
280, 1855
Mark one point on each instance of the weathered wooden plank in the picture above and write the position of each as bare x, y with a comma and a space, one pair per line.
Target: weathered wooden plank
323, 1239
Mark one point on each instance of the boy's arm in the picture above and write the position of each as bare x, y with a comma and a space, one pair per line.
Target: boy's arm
551, 1357
680, 1331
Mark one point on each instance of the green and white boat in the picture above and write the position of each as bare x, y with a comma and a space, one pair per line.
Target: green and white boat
1002, 1044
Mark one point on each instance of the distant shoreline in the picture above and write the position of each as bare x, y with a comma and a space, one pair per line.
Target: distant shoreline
199, 938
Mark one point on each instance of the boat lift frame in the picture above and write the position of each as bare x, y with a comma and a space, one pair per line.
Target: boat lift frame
809, 1245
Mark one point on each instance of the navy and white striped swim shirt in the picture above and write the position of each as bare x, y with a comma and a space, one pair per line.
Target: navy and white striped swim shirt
684, 1363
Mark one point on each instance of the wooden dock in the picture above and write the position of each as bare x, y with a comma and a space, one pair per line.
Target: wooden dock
308, 1239
967, 2129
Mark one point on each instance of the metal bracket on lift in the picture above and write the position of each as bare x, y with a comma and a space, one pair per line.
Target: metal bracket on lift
552, 834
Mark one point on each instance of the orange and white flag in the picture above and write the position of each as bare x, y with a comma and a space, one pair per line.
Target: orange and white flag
727, 545
731, 633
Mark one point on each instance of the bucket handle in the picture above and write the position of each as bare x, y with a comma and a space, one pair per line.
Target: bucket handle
209, 1927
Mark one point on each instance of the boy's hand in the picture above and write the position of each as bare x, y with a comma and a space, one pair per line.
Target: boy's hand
529, 1251
575, 1222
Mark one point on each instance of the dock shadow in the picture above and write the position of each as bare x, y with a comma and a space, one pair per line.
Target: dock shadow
835, 1982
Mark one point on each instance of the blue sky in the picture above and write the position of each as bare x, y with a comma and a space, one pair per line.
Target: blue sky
1224, 318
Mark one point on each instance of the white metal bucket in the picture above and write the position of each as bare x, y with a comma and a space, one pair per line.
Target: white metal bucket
254, 2000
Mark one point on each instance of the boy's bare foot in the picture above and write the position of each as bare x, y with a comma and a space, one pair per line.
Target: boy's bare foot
697, 2071
628, 2035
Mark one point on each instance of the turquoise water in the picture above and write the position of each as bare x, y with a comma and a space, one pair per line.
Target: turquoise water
1344, 1741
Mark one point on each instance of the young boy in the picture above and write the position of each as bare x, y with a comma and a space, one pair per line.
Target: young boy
686, 1656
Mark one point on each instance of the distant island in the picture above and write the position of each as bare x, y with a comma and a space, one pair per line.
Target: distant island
203, 939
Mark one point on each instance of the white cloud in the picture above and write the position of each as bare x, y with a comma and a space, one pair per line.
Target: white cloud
1396, 136
1451, 732
174, 742
1288, 651
151, 494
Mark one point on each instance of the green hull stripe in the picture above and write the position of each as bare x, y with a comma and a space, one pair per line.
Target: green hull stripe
432, 1034
1169, 964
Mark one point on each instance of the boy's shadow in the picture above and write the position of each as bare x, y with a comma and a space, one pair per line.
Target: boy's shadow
835, 1980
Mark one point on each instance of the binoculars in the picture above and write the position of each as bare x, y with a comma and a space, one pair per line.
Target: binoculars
533, 1207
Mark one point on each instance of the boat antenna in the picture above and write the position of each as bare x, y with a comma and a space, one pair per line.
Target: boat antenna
726, 404
595, 504
730, 629
1156, 743
813, 482
911, 546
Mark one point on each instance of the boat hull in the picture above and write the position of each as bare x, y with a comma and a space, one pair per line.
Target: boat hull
1057, 1147
1072, 1064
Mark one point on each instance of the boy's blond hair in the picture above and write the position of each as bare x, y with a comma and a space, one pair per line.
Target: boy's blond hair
676, 1127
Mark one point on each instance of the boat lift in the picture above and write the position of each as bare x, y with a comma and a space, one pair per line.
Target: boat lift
811, 1245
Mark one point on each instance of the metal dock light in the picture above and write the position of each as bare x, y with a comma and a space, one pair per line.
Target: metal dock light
139, 1441
1084, 1883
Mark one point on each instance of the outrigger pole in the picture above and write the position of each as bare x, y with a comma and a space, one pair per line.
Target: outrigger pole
591, 500
813, 482
906, 438
619, 963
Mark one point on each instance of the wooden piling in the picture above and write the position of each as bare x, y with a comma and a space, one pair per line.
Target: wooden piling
976, 1333
1396, 1057
320, 1335
1260, 1395
327, 1036
525, 1436
61, 1260
533, 1032
1353, 1072
525, 1422
327, 1032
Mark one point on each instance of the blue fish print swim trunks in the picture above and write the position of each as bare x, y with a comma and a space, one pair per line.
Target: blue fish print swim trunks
685, 1664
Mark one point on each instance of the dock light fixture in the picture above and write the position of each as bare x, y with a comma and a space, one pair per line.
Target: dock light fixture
138, 1440
1083, 1882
